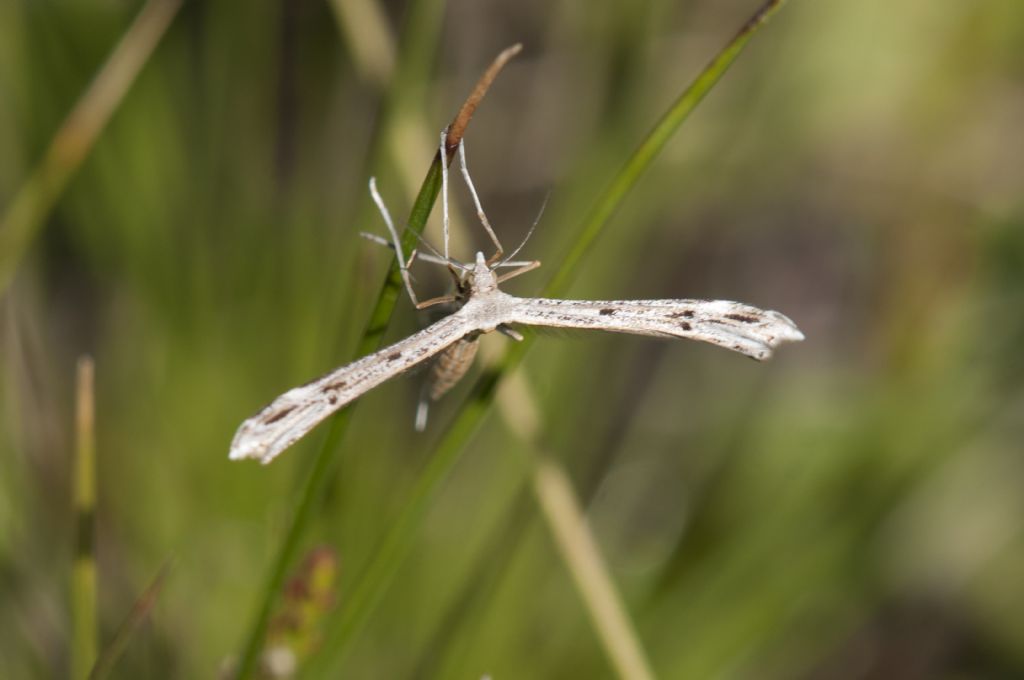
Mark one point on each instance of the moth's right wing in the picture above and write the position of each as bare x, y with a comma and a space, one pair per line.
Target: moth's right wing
299, 410
733, 325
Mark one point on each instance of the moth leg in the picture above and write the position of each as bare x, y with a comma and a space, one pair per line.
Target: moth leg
379, 240
528, 266
402, 265
510, 332
479, 208
442, 154
422, 409
417, 254
412, 256
435, 301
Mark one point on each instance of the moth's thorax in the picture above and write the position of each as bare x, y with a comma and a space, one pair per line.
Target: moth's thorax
486, 309
486, 303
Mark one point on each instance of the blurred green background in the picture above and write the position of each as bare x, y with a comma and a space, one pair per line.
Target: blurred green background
852, 509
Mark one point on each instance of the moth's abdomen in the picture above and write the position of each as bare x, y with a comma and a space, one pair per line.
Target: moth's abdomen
451, 365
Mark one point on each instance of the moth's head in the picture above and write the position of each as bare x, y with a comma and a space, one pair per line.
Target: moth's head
484, 278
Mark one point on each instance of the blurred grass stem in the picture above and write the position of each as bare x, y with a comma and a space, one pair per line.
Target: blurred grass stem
374, 580
370, 42
140, 610
78, 134
84, 634
579, 549
372, 338
567, 522
372, 48
576, 544
651, 146
407, 136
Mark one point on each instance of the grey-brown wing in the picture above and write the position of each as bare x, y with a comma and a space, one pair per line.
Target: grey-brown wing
299, 410
733, 325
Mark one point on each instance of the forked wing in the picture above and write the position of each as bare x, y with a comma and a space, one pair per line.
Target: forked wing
742, 328
299, 410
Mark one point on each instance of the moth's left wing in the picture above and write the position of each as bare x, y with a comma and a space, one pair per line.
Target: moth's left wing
733, 325
299, 410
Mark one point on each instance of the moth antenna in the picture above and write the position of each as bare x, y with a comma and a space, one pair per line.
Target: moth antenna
543, 205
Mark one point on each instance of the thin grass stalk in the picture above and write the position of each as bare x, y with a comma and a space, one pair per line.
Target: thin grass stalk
78, 134
84, 617
326, 459
372, 48
373, 581
126, 631
371, 44
370, 587
566, 519
579, 550
373, 51
404, 85
651, 146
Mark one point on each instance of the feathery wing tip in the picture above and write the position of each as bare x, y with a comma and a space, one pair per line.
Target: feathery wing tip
242, 449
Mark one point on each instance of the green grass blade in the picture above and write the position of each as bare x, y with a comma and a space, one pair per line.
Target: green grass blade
136, 617
374, 582
84, 616
326, 457
375, 578
323, 465
78, 134
651, 146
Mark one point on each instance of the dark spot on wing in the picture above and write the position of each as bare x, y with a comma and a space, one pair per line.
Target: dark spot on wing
686, 314
394, 356
607, 312
333, 399
686, 326
336, 385
743, 318
267, 420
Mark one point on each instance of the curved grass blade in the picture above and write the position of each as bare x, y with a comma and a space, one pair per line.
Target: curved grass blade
373, 583
323, 465
74, 140
84, 598
136, 617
